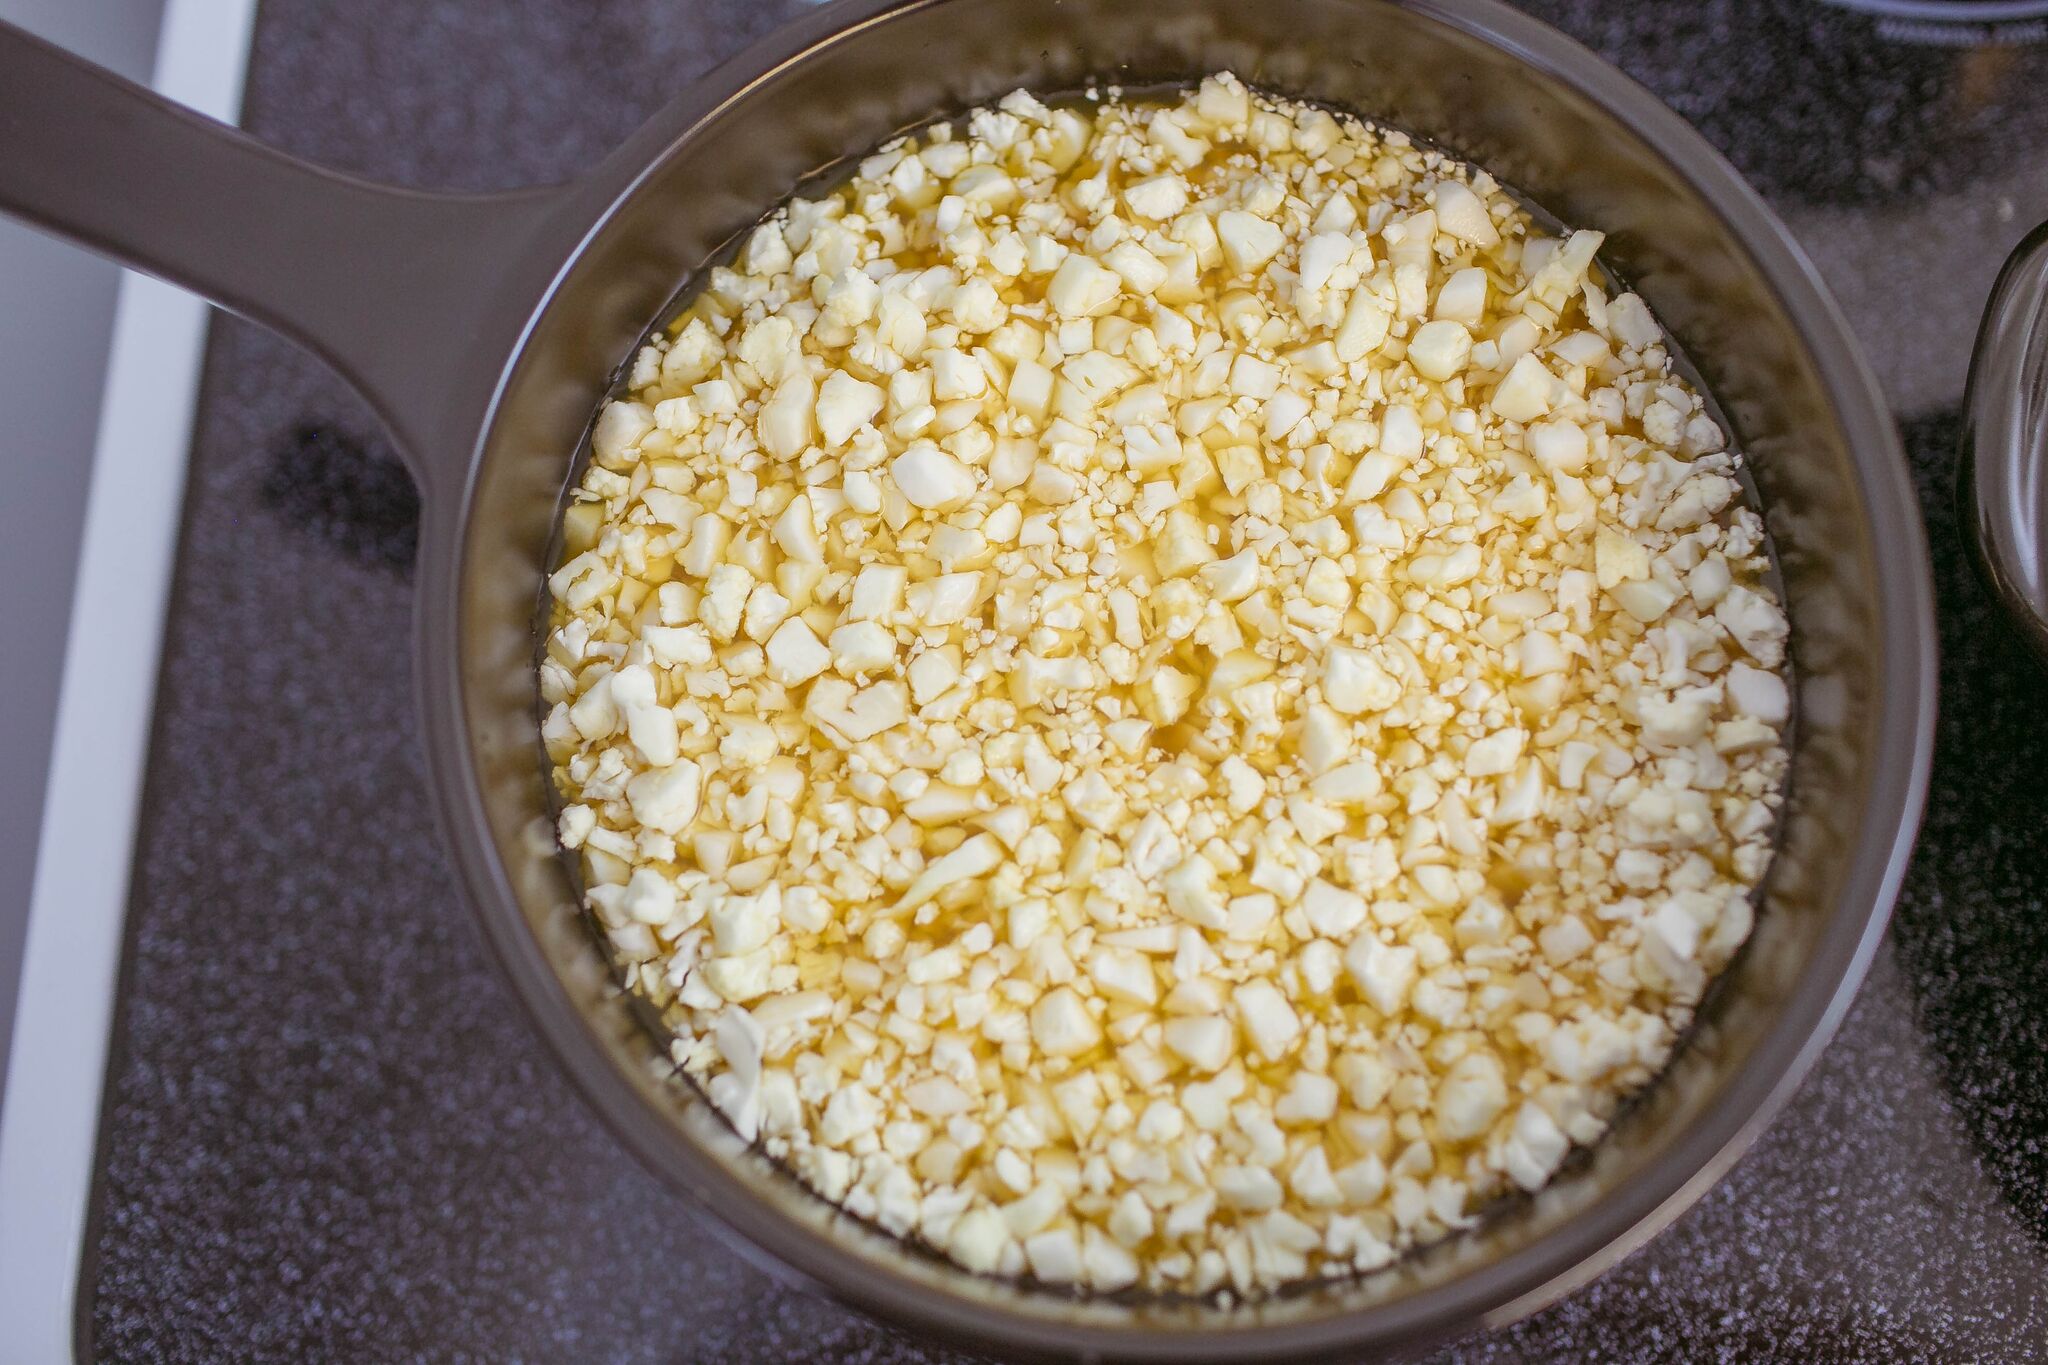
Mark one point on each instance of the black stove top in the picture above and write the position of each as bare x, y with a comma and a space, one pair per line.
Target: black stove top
330, 1136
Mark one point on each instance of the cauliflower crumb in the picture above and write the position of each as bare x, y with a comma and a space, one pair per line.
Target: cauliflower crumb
1165, 694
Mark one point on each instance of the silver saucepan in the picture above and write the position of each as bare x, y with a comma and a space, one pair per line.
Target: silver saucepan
487, 328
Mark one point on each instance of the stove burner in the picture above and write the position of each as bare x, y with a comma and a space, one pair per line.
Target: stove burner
351, 493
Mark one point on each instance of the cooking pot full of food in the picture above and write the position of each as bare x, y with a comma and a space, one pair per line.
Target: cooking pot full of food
1210, 682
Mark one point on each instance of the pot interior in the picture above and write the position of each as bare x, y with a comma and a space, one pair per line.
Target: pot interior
1581, 143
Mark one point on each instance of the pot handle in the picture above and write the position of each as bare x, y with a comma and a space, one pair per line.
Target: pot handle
2003, 474
415, 298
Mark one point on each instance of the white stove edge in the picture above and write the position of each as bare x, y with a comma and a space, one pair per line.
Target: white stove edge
71, 963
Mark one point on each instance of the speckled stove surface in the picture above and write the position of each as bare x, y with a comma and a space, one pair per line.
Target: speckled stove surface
329, 1135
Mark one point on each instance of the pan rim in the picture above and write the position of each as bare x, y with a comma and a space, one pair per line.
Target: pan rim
1552, 1263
